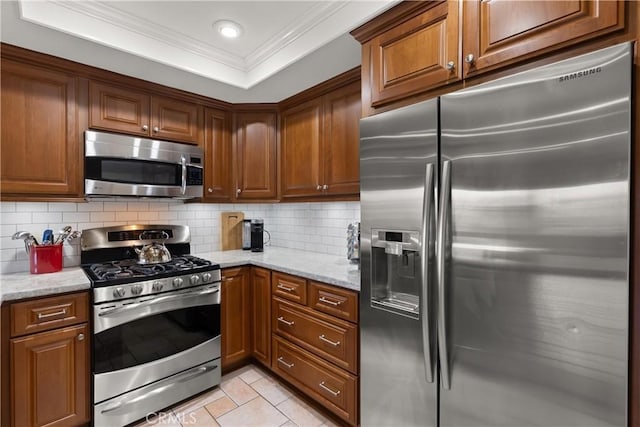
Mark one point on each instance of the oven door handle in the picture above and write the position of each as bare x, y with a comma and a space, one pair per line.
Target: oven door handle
162, 299
168, 383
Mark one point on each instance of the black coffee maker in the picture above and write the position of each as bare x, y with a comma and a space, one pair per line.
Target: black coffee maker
257, 233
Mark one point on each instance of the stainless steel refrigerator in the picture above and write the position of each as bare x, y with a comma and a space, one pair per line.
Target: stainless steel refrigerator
495, 241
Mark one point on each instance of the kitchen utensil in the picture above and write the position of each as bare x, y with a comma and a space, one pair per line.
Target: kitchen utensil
28, 238
231, 230
62, 234
47, 237
153, 253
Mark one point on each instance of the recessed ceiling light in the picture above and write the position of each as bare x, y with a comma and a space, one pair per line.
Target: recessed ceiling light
228, 29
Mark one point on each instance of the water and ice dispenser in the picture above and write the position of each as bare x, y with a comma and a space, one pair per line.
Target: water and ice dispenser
396, 276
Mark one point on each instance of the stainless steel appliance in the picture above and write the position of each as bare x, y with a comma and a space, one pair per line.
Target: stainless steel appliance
156, 326
495, 240
246, 234
257, 235
121, 165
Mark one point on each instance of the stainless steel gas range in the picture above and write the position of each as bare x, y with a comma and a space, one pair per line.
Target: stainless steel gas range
156, 326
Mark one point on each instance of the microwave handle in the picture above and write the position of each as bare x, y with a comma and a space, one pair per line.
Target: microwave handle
183, 161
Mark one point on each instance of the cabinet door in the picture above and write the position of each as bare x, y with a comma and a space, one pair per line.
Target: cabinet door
40, 147
341, 145
236, 316
255, 160
218, 182
501, 32
50, 378
118, 109
416, 55
261, 314
175, 120
302, 134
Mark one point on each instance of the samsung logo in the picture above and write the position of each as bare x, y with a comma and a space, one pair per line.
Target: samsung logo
579, 74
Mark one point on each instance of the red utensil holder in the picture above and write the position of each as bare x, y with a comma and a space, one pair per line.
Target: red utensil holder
45, 259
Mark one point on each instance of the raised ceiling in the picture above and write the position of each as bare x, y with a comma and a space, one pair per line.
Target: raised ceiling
302, 40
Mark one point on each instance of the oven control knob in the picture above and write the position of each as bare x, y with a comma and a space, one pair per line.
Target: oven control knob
206, 277
157, 286
177, 282
136, 289
119, 292
194, 279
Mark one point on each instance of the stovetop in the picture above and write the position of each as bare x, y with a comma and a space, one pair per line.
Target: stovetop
130, 271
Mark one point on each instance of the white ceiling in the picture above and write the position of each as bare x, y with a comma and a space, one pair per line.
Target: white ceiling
286, 46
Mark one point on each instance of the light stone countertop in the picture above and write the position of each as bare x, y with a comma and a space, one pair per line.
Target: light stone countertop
18, 286
332, 269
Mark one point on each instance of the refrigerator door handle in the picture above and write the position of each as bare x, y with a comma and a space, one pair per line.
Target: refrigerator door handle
445, 203
427, 207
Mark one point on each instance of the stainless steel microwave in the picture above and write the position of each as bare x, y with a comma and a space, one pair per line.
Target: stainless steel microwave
122, 165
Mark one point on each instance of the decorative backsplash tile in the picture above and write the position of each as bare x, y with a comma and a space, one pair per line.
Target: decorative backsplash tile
319, 227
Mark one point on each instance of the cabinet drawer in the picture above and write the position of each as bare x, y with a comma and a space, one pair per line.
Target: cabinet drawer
337, 302
331, 387
48, 313
290, 287
329, 338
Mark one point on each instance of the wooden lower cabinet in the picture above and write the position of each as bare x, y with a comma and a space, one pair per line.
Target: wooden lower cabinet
261, 314
334, 388
50, 378
235, 317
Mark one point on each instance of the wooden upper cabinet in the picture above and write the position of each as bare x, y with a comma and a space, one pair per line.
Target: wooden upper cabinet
497, 33
341, 154
255, 156
302, 134
218, 179
418, 54
50, 378
124, 110
320, 145
40, 146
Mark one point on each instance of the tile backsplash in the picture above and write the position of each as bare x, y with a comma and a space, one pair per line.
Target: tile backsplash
318, 227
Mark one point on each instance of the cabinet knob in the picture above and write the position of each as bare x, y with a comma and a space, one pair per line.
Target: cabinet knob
210, 190
318, 187
80, 337
145, 128
238, 191
451, 65
325, 187
156, 129
469, 59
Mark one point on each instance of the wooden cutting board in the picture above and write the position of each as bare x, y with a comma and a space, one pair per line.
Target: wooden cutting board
231, 230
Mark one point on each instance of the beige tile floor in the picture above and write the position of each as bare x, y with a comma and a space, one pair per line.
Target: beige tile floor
247, 397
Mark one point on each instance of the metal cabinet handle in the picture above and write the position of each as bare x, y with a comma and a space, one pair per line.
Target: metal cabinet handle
318, 187
328, 301
425, 310
288, 365
145, 128
445, 200
80, 337
333, 343
238, 191
325, 187
210, 190
451, 65
335, 393
285, 288
469, 59
156, 129
286, 322
54, 314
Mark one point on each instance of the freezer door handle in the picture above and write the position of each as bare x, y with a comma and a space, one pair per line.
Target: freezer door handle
443, 224
427, 208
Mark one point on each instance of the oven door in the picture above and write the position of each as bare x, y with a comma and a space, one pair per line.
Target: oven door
142, 340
